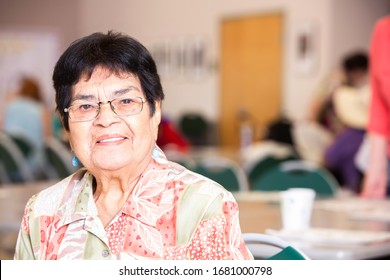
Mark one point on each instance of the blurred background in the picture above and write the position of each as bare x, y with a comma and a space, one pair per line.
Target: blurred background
248, 81
223, 59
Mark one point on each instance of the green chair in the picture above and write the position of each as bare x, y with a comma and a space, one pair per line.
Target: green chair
223, 171
25, 146
13, 165
298, 174
262, 166
261, 156
263, 246
59, 159
195, 128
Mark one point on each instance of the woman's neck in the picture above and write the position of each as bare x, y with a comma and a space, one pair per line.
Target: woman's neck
111, 193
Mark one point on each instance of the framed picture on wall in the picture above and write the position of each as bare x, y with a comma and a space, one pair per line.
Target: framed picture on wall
306, 54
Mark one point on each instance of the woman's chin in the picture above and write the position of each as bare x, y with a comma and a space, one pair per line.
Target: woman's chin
109, 164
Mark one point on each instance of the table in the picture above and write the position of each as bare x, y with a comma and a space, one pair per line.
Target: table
259, 211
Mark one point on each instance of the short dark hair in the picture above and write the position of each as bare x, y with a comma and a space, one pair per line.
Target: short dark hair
114, 51
356, 61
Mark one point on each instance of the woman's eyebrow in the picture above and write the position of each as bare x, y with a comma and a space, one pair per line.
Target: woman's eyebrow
122, 91
83, 97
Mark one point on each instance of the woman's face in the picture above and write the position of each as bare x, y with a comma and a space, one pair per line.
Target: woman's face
112, 142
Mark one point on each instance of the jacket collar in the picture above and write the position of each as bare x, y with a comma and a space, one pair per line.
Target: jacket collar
143, 204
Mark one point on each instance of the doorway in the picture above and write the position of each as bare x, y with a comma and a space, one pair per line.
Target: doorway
251, 75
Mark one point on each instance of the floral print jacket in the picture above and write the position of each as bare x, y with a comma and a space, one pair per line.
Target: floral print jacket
172, 213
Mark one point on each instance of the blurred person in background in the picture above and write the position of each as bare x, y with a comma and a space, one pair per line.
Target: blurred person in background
170, 138
128, 201
351, 105
353, 71
26, 117
321, 110
377, 180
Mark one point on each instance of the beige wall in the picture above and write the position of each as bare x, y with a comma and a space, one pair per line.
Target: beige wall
339, 25
347, 21
39, 31
62, 17
352, 23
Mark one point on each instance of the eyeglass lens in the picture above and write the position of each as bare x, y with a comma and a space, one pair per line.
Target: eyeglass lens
121, 107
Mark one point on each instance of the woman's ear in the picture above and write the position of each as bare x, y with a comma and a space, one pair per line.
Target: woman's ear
67, 133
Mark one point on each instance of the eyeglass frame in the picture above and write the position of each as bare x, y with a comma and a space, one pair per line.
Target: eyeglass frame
67, 109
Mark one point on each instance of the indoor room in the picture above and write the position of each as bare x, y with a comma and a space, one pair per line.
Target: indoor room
269, 104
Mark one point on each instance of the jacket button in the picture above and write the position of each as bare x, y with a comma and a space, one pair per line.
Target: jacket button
105, 253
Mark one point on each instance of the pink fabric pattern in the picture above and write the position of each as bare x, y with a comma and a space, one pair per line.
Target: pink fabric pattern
65, 219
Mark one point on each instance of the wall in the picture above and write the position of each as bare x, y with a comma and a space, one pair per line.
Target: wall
32, 36
62, 17
352, 23
176, 21
158, 21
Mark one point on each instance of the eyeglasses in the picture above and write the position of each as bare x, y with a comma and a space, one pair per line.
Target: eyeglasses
88, 111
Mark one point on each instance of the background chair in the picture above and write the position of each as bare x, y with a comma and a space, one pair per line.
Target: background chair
25, 146
13, 165
298, 174
263, 246
32, 154
195, 128
59, 159
224, 171
263, 165
259, 157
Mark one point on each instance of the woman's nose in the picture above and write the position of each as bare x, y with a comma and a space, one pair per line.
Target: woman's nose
106, 115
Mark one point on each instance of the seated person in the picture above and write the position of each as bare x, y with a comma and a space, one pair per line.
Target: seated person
129, 201
170, 138
25, 116
351, 103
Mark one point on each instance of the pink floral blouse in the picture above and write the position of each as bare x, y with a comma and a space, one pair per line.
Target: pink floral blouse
172, 213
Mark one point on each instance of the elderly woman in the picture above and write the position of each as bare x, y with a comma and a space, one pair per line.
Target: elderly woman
128, 200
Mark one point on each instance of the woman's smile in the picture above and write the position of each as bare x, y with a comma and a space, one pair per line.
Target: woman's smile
111, 140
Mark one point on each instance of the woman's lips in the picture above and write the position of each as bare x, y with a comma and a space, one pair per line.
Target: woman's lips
111, 139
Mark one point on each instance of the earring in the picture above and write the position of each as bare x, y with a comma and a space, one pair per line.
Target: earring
156, 153
75, 161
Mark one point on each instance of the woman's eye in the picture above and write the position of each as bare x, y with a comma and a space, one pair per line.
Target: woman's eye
126, 101
85, 107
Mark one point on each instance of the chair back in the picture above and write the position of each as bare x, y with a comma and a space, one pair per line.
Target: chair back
24, 144
14, 167
195, 128
59, 158
259, 157
262, 166
298, 174
224, 171
263, 246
